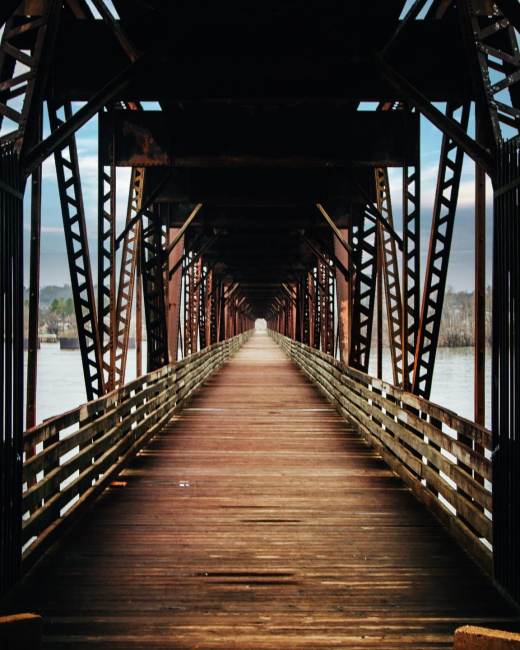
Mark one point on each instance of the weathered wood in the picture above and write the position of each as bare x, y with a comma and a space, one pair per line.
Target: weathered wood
438, 465
259, 518
471, 637
73, 467
20, 632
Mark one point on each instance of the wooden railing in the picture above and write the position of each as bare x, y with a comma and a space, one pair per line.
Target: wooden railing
69, 459
444, 458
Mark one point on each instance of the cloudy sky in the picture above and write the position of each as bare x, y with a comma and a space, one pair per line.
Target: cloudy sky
54, 269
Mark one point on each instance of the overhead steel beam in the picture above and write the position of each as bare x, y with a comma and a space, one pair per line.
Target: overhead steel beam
24, 71
494, 57
235, 137
68, 128
447, 125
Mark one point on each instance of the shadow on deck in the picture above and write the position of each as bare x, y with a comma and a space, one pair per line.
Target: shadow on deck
258, 519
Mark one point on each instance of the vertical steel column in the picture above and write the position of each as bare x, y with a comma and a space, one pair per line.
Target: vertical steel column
480, 288
506, 369
34, 292
174, 294
379, 302
153, 289
11, 364
343, 297
138, 313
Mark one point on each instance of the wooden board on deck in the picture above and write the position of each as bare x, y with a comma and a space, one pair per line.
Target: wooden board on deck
259, 519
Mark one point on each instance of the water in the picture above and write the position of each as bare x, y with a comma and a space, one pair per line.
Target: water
61, 387
452, 385
60, 384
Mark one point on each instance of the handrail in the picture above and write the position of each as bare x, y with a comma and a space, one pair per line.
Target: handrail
70, 458
443, 457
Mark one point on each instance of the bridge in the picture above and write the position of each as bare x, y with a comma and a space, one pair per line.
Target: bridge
255, 486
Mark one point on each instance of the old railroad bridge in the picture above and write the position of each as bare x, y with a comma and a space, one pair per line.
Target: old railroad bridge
259, 488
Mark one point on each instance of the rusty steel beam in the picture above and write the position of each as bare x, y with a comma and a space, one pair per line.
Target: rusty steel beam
443, 122
174, 289
202, 310
34, 294
152, 255
343, 298
364, 285
59, 137
234, 137
106, 283
390, 275
480, 290
24, 71
491, 40
445, 206
11, 364
191, 304
138, 316
411, 289
74, 226
127, 276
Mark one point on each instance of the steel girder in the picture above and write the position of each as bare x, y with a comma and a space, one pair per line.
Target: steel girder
152, 256
23, 72
74, 226
363, 290
446, 197
192, 274
11, 363
493, 39
326, 307
390, 272
411, 289
127, 275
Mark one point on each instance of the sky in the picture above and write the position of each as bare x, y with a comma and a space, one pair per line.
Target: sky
54, 266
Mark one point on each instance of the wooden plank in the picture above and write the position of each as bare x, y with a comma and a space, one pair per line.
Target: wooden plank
21, 632
370, 409
259, 519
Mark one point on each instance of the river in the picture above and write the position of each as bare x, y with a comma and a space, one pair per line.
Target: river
60, 380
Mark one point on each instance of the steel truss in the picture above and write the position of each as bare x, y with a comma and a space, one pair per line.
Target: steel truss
363, 290
390, 272
74, 226
498, 65
23, 75
107, 300
192, 276
127, 274
446, 197
152, 269
326, 307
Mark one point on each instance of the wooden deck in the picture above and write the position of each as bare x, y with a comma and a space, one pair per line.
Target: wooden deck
259, 519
